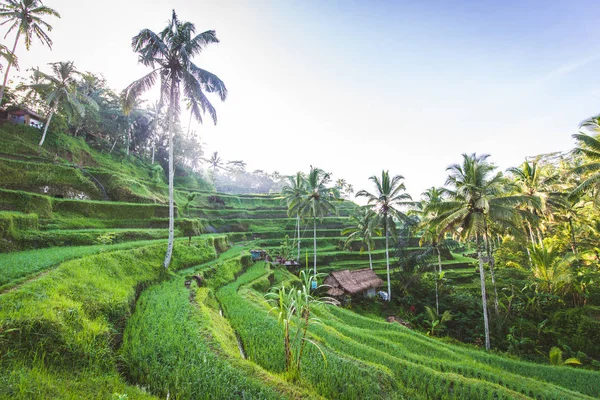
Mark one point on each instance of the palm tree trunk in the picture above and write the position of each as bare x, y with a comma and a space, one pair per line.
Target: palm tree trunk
52, 111
530, 233
486, 324
370, 258
171, 177
540, 238
573, 242
190, 123
491, 263
437, 276
315, 243
387, 260
153, 146
298, 226
8, 68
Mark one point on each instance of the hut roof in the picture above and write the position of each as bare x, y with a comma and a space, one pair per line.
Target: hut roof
21, 110
355, 281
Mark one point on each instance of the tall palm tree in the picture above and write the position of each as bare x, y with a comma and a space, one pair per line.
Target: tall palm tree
429, 206
533, 181
475, 195
169, 53
60, 90
9, 57
293, 193
318, 201
389, 196
588, 146
364, 228
215, 161
25, 16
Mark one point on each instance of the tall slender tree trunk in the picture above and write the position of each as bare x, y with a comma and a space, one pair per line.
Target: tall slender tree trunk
530, 233
540, 237
298, 226
437, 277
190, 123
369, 251
491, 263
46, 125
315, 244
8, 68
486, 324
153, 146
171, 176
573, 242
387, 260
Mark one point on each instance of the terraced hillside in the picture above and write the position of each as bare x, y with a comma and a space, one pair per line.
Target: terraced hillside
86, 310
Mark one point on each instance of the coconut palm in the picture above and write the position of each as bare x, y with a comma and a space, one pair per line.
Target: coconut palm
364, 227
215, 161
318, 201
533, 181
475, 195
60, 90
292, 195
25, 16
8, 56
588, 146
169, 54
551, 270
389, 196
428, 209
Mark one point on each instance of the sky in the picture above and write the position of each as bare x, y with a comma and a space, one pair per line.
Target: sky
354, 87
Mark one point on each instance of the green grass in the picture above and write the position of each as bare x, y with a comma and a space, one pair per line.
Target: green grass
16, 266
46, 178
502, 375
263, 340
72, 317
428, 367
163, 350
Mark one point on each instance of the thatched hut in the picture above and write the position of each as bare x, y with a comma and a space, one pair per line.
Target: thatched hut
353, 282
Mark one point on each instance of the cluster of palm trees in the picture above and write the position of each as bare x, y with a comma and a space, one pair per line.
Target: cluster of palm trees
533, 204
310, 197
169, 54
24, 17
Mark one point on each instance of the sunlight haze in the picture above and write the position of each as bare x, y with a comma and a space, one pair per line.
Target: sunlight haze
354, 87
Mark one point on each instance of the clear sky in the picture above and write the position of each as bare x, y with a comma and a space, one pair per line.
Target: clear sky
358, 86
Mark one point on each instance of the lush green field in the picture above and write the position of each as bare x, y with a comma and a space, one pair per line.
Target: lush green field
72, 318
435, 369
163, 349
14, 267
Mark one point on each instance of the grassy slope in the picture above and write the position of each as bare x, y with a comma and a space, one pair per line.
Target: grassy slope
435, 369
68, 322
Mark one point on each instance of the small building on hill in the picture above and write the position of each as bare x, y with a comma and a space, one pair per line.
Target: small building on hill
353, 282
23, 116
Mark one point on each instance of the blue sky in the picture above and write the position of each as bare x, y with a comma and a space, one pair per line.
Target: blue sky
355, 86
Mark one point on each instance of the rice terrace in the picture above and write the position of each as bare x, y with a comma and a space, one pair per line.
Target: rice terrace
300, 203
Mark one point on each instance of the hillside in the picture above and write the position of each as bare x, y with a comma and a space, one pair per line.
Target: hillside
86, 310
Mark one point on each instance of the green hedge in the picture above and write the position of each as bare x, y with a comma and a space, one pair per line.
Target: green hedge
46, 177
59, 238
110, 210
26, 203
13, 223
